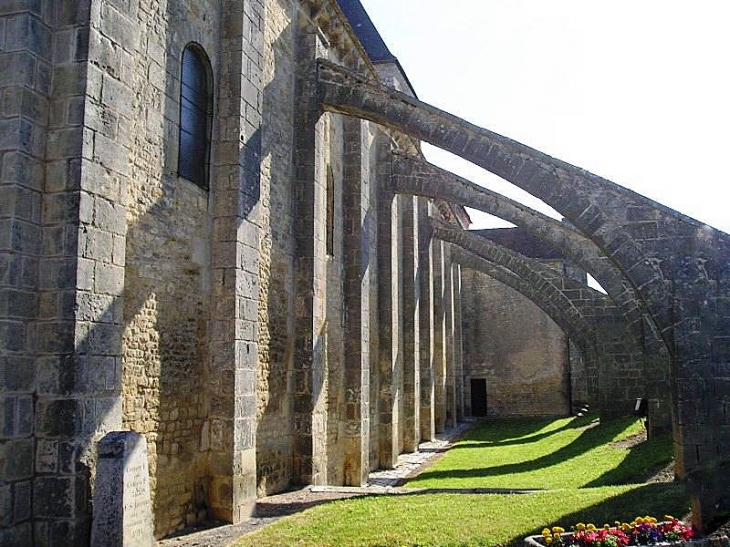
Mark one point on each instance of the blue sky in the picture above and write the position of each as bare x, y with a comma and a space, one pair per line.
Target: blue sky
635, 91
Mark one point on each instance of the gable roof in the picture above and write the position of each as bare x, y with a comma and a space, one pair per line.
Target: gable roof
369, 37
365, 30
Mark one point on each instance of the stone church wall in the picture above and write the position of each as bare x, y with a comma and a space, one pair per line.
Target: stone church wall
167, 269
274, 380
26, 55
516, 347
293, 324
254, 331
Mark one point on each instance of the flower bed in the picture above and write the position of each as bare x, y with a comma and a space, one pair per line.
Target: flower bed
641, 531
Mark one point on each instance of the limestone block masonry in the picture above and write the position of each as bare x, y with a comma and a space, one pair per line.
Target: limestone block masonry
294, 317
234, 324
677, 265
523, 358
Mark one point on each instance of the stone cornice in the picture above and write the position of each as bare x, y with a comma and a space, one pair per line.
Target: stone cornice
328, 17
335, 27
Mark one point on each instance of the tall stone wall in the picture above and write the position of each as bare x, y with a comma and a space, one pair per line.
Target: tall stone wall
167, 268
62, 239
512, 344
266, 331
276, 325
25, 64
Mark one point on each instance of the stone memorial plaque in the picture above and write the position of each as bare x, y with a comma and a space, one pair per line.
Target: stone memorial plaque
122, 508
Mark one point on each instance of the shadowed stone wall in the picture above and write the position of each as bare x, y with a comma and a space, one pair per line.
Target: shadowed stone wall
517, 348
167, 268
509, 341
62, 239
132, 249
26, 54
276, 269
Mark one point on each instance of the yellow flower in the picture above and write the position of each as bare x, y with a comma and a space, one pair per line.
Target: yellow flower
639, 520
545, 532
625, 526
558, 530
668, 517
556, 535
580, 526
548, 540
606, 527
591, 527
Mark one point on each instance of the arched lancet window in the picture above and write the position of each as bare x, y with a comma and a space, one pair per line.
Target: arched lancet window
196, 114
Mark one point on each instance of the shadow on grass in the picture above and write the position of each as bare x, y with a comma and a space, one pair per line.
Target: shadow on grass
484, 436
643, 462
651, 499
589, 439
509, 429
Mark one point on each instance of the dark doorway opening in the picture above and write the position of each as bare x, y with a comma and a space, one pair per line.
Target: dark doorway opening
478, 397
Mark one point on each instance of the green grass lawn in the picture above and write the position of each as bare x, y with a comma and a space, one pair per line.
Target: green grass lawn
567, 453
462, 519
592, 482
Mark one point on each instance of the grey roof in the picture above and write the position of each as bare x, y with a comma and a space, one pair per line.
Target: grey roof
369, 37
366, 32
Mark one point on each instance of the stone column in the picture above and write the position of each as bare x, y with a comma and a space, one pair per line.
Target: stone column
449, 339
425, 313
390, 316
358, 273
309, 465
458, 343
79, 322
438, 331
235, 190
411, 325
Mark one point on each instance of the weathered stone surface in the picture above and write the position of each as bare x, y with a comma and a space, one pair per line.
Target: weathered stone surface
296, 321
620, 362
122, 507
674, 263
413, 175
522, 357
147, 286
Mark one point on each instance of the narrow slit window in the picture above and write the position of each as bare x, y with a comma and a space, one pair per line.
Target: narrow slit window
196, 115
330, 211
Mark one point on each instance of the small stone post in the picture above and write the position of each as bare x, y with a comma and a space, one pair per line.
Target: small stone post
122, 508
